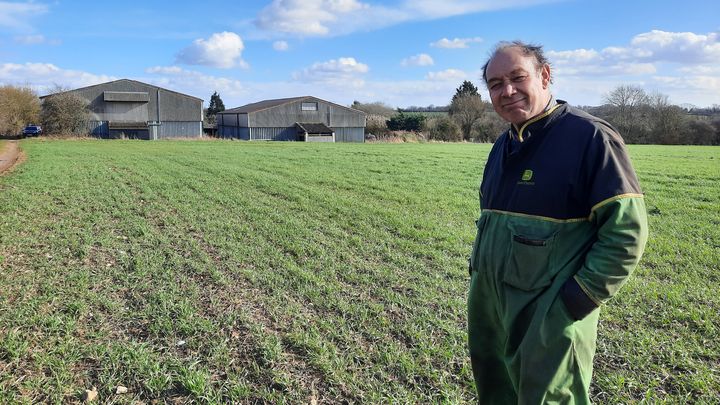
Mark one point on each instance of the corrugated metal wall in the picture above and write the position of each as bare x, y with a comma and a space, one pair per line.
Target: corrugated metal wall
176, 129
273, 134
234, 132
166, 130
278, 123
288, 114
349, 134
180, 114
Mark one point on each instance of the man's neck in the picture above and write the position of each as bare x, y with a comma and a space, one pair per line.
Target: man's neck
550, 104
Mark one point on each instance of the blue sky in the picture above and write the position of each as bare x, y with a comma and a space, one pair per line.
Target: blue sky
398, 52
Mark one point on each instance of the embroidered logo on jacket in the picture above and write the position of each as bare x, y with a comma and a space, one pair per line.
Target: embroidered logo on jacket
526, 178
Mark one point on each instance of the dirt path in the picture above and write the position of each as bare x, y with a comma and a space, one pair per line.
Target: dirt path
9, 156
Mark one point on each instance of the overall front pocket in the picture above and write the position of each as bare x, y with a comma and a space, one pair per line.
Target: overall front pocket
529, 265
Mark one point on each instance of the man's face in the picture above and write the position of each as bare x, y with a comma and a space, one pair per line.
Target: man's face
518, 90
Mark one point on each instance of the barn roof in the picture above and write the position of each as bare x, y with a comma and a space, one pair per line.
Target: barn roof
266, 104
314, 127
122, 80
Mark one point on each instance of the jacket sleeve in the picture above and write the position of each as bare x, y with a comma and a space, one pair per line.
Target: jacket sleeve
622, 234
618, 214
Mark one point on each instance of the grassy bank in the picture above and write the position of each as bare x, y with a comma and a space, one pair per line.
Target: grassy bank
230, 271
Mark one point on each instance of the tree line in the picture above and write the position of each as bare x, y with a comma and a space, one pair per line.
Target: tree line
639, 116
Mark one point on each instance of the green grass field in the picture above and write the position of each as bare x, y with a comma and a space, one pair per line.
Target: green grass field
299, 273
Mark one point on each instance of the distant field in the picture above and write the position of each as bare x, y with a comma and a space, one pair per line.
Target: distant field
269, 272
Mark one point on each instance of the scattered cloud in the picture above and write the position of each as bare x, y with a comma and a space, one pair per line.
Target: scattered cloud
457, 43
165, 70
340, 71
447, 75
221, 50
18, 16
280, 46
44, 77
421, 59
642, 55
195, 83
678, 47
338, 17
30, 39
306, 17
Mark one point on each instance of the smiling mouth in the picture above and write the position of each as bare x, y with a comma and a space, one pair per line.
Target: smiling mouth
513, 104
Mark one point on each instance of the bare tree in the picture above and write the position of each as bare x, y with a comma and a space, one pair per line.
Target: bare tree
19, 106
666, 120
374, 108
466, 110
628, 112
64, 113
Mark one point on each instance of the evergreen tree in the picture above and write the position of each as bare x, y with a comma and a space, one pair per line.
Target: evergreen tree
216, 105
466, 89
466, 108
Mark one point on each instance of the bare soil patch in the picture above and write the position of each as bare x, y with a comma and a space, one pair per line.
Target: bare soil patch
10, 156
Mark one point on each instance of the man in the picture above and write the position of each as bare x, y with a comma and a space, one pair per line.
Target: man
562, 226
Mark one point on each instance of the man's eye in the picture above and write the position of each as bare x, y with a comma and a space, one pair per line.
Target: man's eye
494, 86
519, 78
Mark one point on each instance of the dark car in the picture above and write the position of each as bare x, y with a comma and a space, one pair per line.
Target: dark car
32, 130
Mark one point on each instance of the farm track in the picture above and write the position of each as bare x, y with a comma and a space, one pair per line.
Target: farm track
10, 156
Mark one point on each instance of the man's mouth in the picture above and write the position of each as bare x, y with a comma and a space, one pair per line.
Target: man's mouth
513, 104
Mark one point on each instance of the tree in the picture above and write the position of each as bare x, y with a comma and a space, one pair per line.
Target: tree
666, 121
374, 108
64, 113
466, 89
466, 108
19, 106
406, 122
216, 104
443, 128
628, 112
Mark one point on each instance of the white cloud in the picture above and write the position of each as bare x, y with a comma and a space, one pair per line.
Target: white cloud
164, 70
421, 59
221, 50
339, 71
644, 55
337, 17
44, 77
30, 39
195, 83
280, 46
305, 17
679, 47
457, 43
447, 75
20, 15
574, 56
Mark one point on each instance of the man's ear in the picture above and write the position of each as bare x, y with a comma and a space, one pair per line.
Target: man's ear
545, 75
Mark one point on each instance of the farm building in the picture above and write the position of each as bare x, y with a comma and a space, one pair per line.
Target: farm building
132, 109
293, 119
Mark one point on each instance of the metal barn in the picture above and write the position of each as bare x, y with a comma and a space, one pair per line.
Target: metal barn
308, 119
130, 109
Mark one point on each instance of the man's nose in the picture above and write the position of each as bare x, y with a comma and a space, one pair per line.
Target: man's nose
508, 90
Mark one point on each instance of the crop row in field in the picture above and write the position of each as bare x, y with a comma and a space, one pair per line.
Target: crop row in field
230, 272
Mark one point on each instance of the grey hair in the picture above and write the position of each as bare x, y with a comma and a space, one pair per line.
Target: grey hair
532, 50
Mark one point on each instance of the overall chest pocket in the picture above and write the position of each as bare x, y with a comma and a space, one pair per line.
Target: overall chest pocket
531, 251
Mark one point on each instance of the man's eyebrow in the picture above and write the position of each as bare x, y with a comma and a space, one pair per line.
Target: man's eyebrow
517, 71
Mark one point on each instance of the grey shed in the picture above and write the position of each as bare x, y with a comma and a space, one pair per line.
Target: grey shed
130, 109
293, 119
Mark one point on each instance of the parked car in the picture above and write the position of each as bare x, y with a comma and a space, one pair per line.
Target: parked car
32, 130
